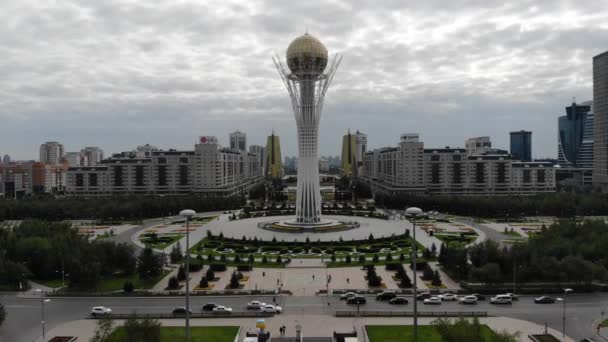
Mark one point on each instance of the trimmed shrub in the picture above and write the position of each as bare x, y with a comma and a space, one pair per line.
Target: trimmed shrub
210, 275
173, 283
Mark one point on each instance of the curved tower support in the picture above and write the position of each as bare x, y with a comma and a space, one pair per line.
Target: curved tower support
307, 93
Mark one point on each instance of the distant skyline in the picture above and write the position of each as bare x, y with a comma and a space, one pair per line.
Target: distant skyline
117, 74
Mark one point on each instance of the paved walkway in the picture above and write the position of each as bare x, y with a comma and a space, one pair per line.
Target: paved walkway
313, 325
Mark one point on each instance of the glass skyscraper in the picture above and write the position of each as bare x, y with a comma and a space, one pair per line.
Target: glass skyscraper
521, 145
575, 136
600, 109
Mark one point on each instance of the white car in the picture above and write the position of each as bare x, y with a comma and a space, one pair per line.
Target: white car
347, 295
221, 308
256, 305
468, 300
512, 295
448, 296
433, 300
271, 308
100, 311
501, 299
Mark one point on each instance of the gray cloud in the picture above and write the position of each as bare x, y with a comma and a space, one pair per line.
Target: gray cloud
118, 74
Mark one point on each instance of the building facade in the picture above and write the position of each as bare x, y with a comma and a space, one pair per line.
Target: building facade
478, 145
238, 140
521, 145
600, 104
349, 155
94, 155
409, 168
260, 152
51, 152
209, 170
274, 163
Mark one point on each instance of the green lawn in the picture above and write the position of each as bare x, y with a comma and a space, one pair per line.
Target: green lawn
604, 323
116, 283
178, 334
401, 333
453, 239
53, 283
511, 233
163, 240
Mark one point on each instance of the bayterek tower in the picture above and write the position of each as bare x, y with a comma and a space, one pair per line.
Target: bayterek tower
307, 79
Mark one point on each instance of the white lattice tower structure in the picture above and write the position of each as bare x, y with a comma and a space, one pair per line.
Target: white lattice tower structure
307, 84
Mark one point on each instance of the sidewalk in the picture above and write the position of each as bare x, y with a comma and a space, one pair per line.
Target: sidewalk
313, 325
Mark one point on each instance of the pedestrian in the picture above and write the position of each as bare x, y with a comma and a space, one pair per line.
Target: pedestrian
313, 277
263, 274
284, 330
347, 280
274, 299
598, 328
277, 281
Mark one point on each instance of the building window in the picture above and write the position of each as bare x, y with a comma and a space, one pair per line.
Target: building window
434, 157
139, 176
162, 175
183, 160
457, 173
527, 178
457, 157
501, 174
540, 176
183, 175
93, 179
118, 175
162, 160
435, 173
479, 172
79, 179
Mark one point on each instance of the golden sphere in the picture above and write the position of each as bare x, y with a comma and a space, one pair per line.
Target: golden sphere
306, 55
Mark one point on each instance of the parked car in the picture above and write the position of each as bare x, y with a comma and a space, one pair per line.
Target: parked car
386, 295
433, 300
513, 296
544, 300
271, 308
222, 309
448, 296
180, 311
256, 305
479, 296
347, 295
501, 299
424, 296
356, 300
468, 300
100, 311
398, 301
209, 306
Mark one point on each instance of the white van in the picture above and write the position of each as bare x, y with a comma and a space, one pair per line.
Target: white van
501, 299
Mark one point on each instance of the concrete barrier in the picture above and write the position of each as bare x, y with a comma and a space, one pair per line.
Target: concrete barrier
367, 313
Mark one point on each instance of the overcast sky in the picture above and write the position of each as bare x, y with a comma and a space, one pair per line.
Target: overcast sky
118, 74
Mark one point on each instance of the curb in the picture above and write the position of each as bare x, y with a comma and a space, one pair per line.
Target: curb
594, 325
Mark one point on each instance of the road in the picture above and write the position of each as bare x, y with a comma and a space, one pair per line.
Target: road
23, 321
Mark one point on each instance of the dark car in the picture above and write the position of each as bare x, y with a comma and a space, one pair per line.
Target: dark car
386, 295
356, 300
479, 296
588, 340
180, 311
544, 300
423, 296
398, 301
209, 306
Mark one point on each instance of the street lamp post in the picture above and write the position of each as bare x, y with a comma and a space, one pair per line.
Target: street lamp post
566, 291
42, 302
414, 212
188, 214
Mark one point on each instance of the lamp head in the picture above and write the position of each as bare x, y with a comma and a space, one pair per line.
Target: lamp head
413, 211
187, 213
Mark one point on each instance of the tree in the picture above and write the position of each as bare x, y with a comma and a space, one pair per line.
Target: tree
371, 237
149, 265
348, 259
436, 279
237, 259
181, 273
210, 275
376, 258
128, 287
433, 250
264, 259
279, 259
173, 283
362, 259
427, 273
442, 253
407, 233
176, 253
401, 257
204, 283
144, 330
2, 314
405, 281
389, 257
234, 281
105, 328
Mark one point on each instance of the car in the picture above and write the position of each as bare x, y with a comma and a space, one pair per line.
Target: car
588, 340
100, 311
222, 309
398, 301
180, 311
467, 300
209, 306
356, 300
501, 299
271, 308
256, 305
433, 300
513, 296
347, 295
448, 296
423, 296
386, 295
479, 296
544, 300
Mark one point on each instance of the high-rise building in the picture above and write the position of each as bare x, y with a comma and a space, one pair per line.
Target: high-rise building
76, 159
575, 136
349, 155
274, 165
6, 159
145, 151
521, 145
600, 108
260, 152
361, 147
307, 81
478, 145
94, 155
238, 140
51, 152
